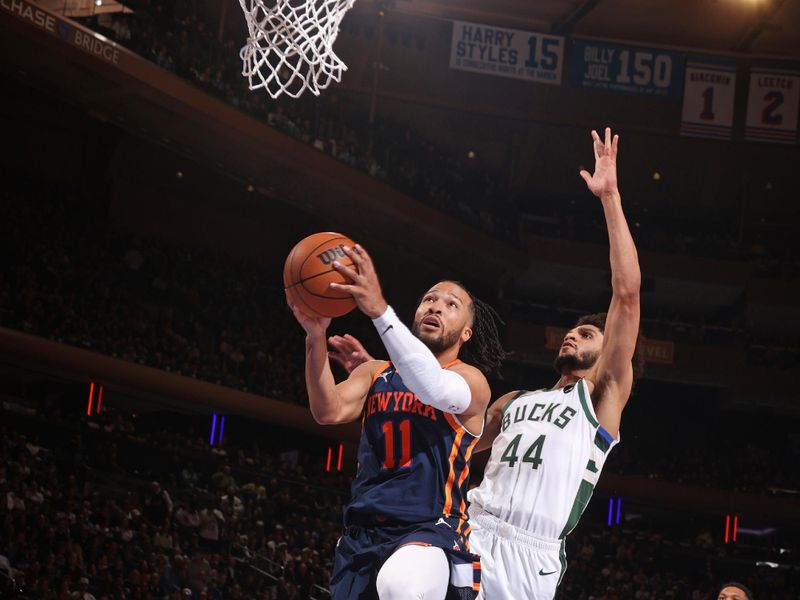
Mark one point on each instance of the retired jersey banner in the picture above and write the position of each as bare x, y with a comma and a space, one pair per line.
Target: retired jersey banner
708, 99
505, 52
772, 104
628, 69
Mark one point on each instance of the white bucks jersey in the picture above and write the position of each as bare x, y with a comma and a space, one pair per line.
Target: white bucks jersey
546, 461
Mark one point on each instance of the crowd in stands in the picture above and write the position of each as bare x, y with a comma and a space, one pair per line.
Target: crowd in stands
180, 38
183, 39
82, 516
196, 313
201, 314
107, 507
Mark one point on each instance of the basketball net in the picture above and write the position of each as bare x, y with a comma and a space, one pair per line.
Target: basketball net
290, 48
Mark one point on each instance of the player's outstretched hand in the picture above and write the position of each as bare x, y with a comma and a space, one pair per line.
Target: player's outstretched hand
604, 179
365, 287
347, 351
315, 327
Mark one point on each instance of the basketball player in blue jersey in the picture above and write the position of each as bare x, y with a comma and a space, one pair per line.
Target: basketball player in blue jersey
549, 446
422, 414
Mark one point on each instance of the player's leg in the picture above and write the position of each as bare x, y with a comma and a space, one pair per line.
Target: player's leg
353, 574
414, 572
484, 543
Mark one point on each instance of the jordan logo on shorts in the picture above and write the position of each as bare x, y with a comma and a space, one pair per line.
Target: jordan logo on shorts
441, 521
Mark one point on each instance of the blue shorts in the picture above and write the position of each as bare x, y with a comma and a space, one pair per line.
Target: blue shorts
361, 552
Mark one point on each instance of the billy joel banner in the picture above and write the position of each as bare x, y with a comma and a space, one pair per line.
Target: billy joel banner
537, 57
649, 72
708, 99
772, 103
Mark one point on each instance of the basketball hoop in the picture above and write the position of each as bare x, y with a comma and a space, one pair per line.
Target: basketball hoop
290, 48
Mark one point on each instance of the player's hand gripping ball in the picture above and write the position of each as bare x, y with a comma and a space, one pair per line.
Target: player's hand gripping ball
308, 273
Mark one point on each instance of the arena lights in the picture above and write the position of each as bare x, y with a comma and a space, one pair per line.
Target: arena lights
338, 461
214, 428
612, 519
730, 533
90, 401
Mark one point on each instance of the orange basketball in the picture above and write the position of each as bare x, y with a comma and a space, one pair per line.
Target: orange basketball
308, 273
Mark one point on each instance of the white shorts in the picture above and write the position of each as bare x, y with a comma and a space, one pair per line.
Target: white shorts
515, 564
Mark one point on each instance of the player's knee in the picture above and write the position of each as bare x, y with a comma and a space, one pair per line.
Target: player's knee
414, 573
393, 585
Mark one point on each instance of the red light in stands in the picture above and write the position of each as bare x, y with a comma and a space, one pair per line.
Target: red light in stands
730, 534
328, 464
91, 396
339, 462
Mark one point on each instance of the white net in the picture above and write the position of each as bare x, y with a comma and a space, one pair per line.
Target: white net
290, 48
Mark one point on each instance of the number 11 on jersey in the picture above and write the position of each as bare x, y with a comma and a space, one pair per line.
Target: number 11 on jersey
405, 443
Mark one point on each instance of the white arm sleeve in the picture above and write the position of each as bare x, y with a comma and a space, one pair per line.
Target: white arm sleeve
421, 372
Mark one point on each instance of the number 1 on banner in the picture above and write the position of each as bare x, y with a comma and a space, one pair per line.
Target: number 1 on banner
405, 439
708, 104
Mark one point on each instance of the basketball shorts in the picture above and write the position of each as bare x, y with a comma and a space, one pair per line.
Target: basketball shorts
361, 552
515, 563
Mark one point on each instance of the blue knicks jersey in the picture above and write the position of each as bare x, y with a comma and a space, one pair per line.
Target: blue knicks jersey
413, 459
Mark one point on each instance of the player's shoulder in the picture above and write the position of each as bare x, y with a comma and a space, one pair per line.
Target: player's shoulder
460, 366
469, 372
507, 399
475, 378
370, 368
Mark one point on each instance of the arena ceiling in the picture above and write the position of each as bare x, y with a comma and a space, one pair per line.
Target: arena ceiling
768, 27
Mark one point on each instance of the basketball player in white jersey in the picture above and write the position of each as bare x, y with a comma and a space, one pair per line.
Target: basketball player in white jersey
549, 446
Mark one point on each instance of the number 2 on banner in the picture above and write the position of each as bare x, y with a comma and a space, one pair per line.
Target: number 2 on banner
405, 438
768, 117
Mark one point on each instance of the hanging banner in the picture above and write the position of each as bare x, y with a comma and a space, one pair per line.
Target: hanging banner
628, 69
773, 103
708, 99
505, 52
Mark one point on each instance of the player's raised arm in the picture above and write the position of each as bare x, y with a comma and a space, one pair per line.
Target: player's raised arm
330, 403
614, 379
451, 390
494, 421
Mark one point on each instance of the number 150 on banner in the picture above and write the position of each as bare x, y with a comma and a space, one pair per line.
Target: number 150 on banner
626, 69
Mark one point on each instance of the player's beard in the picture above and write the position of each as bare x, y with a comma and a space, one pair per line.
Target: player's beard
575, 362
438, 342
